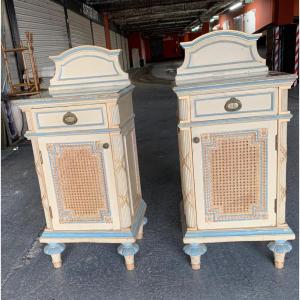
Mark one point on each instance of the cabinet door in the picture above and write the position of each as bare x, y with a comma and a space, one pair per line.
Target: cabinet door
80, 182
235, 174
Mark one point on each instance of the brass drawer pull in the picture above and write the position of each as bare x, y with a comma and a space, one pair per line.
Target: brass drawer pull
233, 104
106, 145
196, 140
69, 118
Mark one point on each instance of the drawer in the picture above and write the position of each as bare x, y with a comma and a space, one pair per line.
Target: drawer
234, 104
67, 118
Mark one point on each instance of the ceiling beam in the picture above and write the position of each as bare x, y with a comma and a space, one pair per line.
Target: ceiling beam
154, 17
159, 9
119, 5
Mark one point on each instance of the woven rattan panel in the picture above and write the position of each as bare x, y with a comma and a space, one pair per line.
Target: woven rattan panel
235, 175
79, 182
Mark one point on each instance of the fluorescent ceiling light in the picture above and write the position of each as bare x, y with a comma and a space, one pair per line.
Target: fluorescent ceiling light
235, 6
196, 28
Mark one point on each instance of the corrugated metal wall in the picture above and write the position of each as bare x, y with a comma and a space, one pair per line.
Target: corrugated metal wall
113, 40
99, 35
7, 43
127, 53
80, 29
46, 20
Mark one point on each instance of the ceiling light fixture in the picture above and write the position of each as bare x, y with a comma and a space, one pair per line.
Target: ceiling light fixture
195, 28
235, 6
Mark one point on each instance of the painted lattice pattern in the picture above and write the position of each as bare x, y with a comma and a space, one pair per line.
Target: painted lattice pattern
235, 175
79, 182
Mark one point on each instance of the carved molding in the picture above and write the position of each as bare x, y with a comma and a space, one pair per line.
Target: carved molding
42, 183
184, 109
203, 60
113, 114
281, 171
187, 177
121, 180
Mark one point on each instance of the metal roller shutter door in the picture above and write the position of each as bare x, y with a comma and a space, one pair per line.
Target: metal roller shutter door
99, 35
113, 40
127, 53
7, 43
80, 29
119, 46
124, 53
46, 20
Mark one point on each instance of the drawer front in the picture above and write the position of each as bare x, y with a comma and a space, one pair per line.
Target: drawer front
234, 104
70, 117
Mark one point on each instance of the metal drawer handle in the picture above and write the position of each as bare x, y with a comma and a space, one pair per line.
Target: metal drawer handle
233, 104
196, 140
105, 145
69, 118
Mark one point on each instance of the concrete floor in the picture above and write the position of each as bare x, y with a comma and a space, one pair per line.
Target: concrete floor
95, 271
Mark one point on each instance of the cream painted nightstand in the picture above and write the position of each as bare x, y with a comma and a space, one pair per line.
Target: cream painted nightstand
233, 118
85, 153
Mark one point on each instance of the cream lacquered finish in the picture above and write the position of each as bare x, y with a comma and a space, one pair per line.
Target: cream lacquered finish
232, 140
85, 154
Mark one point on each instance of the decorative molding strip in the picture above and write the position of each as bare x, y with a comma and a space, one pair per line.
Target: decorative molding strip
244, 232
121, 180
236, 120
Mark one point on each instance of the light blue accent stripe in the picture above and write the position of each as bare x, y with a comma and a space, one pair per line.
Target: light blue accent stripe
224, 233
235, 120
69, 126
85, 48
184, 87
101, 234
221, 64
78, 132
220, 34
87, 77
235, 112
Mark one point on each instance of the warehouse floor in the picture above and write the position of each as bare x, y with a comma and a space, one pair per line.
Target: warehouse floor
95, 271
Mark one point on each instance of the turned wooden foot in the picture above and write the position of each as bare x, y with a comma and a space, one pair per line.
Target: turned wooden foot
128, 250
280, 248
141, 231
55, 250
195, 251
129, 261
56, 260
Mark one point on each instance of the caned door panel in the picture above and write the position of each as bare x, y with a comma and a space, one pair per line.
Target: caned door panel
235, 175
80, 182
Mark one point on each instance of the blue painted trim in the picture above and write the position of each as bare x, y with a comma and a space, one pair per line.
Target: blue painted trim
221, 64
101, 234
236, 120
68, 52
96, 83
242, 232
236, 112
247, 37
223, 70
194, 87
92, 56
69, 126
78, 132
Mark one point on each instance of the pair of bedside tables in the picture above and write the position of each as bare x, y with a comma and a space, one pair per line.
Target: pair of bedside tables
232, 141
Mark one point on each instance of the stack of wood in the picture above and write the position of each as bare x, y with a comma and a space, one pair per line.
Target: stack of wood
30, 84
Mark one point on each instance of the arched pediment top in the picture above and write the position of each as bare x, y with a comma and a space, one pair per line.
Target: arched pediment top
218, 54
89, 68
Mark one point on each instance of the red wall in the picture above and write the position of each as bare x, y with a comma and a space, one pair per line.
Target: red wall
171, 46
279, 12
